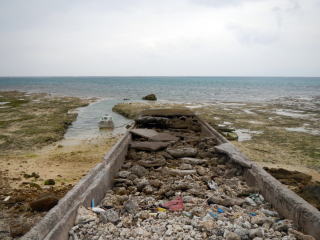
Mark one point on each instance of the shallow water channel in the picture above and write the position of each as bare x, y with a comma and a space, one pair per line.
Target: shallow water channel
86, 126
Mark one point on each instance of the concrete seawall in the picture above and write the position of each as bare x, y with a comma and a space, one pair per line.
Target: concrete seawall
59, 220
286, 202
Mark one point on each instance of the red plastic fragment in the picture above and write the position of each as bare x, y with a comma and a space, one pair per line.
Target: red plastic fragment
174, 205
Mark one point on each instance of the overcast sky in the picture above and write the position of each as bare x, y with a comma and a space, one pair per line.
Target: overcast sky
160, 37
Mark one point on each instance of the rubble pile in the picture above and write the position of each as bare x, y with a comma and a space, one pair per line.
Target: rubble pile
173, 185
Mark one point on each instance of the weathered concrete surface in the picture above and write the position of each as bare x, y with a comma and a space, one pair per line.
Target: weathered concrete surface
59, 220
153, 135
144, 132
234, 155
149, 146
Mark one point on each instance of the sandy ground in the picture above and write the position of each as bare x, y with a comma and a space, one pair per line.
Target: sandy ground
33, 151
65, 164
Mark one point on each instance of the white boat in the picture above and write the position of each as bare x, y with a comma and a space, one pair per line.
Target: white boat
106, 122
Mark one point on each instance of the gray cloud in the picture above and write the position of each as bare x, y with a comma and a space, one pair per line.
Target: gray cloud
221, 3
151, 37
250, 37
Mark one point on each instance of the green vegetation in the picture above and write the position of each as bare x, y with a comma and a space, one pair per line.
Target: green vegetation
34, 120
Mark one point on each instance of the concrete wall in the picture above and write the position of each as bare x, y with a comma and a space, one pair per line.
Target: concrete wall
60, 219
286, 202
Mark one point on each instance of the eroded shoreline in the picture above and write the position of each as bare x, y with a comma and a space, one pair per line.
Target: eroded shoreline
34, 163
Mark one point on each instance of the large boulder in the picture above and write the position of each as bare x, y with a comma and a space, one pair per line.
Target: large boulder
150, 97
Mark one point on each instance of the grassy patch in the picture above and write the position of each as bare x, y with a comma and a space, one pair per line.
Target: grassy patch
35, 120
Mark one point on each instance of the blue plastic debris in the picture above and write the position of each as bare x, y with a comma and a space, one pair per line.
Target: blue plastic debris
253, 214
213, 215
220, 210
92, 203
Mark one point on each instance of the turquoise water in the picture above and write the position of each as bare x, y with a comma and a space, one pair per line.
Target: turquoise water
186, 89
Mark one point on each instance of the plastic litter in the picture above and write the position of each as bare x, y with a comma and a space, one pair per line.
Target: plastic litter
212, 185
98, 210
92, 203
219, 210
174, 205
253, 214
251, 201
188, 214
7, 199
213, 215
160, 209
257, 198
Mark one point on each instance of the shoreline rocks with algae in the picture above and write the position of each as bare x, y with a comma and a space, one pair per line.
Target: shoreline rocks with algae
31, 121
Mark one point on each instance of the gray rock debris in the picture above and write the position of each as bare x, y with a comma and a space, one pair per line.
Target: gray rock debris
131, 206
149, 146
182, 152
209, 188
109, 215
193, 161
153, 135
139, 170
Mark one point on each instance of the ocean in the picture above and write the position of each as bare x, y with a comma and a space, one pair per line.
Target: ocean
112, 90
182, 89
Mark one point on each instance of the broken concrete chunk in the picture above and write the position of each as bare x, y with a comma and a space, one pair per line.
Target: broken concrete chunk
182, 152
156, 183
201, 170
300, 235
193, 161
85, 215
139, 170
234, 154
141, 183
153, 135
131, 206
232, 236
123, 174
149, 146
152, 163
178, 172
165, 137
125, 182
144, 132
109, 215
185, 166
148, 121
